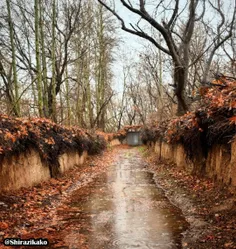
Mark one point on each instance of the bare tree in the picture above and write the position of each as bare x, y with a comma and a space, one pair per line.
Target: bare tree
178, 52
38, 57
175, 31
16, 106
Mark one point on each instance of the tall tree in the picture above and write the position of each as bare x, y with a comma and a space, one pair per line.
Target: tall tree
177, 42
16, 107
104, 45
52, 92
44, 62
60, 60
38, 57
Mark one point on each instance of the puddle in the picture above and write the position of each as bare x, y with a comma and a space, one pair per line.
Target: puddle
124, 209
121, 209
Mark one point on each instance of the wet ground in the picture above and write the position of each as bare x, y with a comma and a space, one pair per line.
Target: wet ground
121, 209
114, 201
209, 208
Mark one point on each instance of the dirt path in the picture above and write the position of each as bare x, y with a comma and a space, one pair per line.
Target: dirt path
121, 208
115, 202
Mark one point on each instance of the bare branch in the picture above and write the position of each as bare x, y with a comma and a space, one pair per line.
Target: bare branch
134, 32
174, 15
203, 12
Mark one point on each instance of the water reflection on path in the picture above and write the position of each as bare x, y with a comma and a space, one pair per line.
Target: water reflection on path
124, 209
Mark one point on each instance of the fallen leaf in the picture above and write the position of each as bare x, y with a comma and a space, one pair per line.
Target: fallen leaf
3, 225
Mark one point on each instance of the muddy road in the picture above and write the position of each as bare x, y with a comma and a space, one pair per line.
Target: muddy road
121, 209
114, 201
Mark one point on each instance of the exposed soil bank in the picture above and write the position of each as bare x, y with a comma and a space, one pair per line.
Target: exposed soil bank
32, 150
219, 164
27, 169
210, 209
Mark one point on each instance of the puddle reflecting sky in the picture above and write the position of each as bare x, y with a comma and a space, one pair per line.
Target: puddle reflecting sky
126, 210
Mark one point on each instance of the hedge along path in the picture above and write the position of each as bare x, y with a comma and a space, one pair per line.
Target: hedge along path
213, 122
46, 137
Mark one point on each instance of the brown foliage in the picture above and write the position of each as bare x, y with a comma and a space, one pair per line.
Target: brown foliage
213, 122
47, 137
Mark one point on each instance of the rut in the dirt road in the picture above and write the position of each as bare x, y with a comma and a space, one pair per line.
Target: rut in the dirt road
122, 208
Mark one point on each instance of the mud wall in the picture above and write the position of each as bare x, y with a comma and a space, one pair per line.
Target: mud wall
219, 165
71, 159
115, 142
27, 168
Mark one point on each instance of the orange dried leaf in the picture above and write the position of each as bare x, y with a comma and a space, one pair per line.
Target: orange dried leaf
233, 119
233, 104
9, 136
3, 225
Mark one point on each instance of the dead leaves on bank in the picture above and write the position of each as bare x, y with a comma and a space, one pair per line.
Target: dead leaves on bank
213, 122
48, 138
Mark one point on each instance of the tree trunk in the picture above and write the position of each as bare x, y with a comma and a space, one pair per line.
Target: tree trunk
16, 106
44, 63
8, 90
102, 71
38, 59
89, 97
180, 83
52, 104
61, 108
68, 100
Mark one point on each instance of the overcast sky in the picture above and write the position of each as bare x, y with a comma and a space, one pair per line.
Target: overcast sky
131, 45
